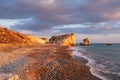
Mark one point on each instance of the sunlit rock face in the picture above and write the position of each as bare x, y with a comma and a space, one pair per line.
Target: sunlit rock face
9, 36
36, 39
45, 39
66, 39
86, 42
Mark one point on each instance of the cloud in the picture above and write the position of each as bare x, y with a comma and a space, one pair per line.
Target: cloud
47, 14
90, 28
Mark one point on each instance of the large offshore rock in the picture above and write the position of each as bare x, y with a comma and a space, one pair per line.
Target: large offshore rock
86, 42
66, 39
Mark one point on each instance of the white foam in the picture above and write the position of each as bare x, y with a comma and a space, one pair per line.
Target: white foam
90, 63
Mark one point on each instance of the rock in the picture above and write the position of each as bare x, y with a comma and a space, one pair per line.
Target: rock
109, 44
66, 39
86, 42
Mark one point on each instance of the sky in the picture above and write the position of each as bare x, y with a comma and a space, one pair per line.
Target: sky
98, 20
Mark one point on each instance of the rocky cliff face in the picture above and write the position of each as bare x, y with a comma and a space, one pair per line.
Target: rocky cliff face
66, 40
86, 42
8, 36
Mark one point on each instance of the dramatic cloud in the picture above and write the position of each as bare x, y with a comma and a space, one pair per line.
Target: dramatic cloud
91, 28
41, 15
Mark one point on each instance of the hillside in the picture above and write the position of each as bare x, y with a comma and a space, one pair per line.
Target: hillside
9, 36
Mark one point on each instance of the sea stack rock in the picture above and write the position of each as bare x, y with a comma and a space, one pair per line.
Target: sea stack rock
66, 39
86, 42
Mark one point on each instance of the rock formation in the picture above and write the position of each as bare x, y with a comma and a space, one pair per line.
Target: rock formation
8, 36
86, 42
66, 39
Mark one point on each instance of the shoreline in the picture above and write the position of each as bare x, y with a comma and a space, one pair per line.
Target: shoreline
40, 62
88, 62
85, 61
78, 58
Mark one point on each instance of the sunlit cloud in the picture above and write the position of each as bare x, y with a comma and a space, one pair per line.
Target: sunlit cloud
62, 16
72, 26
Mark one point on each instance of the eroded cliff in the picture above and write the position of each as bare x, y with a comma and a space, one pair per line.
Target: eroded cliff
66, 39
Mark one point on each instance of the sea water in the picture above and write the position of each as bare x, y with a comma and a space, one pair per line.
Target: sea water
104, 61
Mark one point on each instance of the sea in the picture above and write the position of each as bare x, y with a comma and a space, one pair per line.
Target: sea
103, 60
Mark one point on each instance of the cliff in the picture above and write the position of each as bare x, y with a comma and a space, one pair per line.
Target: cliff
66, 39
12, 37
86, 42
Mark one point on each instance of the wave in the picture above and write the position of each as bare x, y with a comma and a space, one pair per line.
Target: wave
91, 63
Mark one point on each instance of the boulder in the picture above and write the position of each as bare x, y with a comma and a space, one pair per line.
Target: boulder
66, 39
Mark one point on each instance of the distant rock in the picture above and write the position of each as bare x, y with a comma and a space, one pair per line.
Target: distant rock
12, 37
109, 44
86, 42
66, 39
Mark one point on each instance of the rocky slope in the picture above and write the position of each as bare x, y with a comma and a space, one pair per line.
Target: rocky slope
36, 40
66, 39
8, 36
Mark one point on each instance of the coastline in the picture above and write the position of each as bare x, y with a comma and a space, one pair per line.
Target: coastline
85, 61
100, 60
41, 62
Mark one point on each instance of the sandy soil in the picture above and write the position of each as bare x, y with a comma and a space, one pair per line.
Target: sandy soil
41, 62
